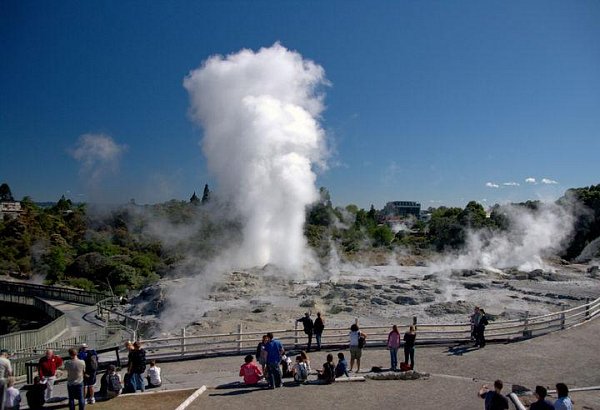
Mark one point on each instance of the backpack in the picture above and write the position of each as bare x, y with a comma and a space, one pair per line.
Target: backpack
113, 383
329, 373
361, 341
91, 362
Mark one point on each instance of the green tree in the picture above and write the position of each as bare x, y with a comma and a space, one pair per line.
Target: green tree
5, 193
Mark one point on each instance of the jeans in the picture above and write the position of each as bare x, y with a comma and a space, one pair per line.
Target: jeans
394, 357
76, 392
138, 381
409, 352
309, 342
274, 375
318, 337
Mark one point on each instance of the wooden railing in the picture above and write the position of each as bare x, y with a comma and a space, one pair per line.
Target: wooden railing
243, 341
51, 292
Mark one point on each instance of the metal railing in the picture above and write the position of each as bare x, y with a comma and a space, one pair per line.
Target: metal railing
243, 341
51, 292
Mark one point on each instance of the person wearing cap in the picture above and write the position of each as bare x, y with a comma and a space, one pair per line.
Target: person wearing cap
5, 372
494, 399
308, 325
90, 358
47, 367
541, 403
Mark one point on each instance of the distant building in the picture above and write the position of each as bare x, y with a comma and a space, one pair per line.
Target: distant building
401, 209
10, 209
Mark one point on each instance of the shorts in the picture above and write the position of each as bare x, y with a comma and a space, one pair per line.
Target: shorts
355, 353
89, 380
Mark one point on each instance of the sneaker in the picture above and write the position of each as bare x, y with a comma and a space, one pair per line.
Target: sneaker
92, 400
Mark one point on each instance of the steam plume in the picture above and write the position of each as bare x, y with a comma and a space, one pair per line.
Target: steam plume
260, 115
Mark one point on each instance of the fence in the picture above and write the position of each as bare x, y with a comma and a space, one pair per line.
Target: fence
51, 292
113, 319
243, 341
19, 341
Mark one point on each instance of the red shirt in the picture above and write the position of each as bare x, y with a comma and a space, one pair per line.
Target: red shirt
47, 366
251, 373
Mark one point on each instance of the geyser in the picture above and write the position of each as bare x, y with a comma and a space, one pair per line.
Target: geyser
262, 138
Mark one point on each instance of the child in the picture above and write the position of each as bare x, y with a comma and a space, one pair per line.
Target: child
286, 366
300, 370
305, 359
12, 396
111, 384
250, 371
36, 394
153, 375
342, 366
327, 375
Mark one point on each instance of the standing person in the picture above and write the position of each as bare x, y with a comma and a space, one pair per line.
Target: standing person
90, 357
409, 346
341, 369
274, 350
357, 342
153, 375
319, 326
137, 366
5, 372
308, 325
260, 354
564, 401
474, 319
47, 367
480, 332
393, 344
75, 368
35, 394
250, 371
541, 403
13, 397
494, 399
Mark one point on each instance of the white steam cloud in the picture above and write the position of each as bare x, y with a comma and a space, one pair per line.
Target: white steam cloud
98, 154
548, 181
260, 115
512, 183
530, 180
491, 185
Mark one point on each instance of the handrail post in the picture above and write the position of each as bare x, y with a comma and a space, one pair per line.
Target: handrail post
240, 337
587, 308
182, 341
526, 331
562, 320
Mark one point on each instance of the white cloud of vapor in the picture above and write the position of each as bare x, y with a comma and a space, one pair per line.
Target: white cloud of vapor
530, 180
549, 181
491, 185
260, 115
511, 184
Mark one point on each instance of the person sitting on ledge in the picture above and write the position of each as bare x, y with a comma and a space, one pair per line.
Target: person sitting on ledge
250, 371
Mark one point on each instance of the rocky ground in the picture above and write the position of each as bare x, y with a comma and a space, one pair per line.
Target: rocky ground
264, 299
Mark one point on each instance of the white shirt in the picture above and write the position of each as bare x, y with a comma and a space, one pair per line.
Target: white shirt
154, 373
5, 368
12, 397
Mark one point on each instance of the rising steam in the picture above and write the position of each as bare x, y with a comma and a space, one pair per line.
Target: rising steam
260, 116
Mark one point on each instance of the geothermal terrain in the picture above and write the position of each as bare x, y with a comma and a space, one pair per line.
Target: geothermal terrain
265, 299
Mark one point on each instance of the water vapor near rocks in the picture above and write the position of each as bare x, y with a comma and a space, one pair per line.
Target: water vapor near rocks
262, 138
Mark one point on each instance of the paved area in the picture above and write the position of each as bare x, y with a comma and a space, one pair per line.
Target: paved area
457, 372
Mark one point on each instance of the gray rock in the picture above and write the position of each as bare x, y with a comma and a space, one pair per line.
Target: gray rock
378, 301
475, 285
406, 300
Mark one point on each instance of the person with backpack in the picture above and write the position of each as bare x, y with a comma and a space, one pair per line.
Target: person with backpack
90, 357
300, 370
327, 375
357, 342
137, 366
318, 327
250, 371
308, 325
111, 384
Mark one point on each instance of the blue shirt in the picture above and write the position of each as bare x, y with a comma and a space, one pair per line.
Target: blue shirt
274, 349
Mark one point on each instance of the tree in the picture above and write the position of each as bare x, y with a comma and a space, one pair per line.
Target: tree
205, 194
5, 193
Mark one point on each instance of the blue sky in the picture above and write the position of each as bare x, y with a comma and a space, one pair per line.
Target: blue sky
429, 101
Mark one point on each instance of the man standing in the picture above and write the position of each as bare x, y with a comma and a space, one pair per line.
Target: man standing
90, 357
75, 368
274, 349
494, 399
319, 326
47, 370
475, 322
5, 372
137, 366
307, 323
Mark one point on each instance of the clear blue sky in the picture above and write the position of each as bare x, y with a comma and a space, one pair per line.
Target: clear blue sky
430, 101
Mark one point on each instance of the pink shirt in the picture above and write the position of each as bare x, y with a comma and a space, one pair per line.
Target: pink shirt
393, 340
250, 372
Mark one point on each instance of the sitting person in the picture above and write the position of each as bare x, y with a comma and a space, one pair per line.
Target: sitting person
305, 359
300, 370
286, 366
36, 394
110, 384
250, 371
153, 375
12, 397
342, 367
327, 375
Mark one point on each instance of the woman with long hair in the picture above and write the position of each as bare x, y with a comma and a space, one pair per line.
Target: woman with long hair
393, 343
